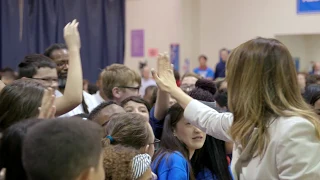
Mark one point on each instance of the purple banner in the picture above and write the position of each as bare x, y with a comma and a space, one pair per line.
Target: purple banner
137, 43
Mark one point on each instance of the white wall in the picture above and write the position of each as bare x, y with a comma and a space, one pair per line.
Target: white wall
228, 23
205, 26
164, 22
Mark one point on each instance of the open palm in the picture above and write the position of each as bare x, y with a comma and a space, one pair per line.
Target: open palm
164, 77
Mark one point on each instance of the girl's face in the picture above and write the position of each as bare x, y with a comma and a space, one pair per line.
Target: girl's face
191, 136
135, 107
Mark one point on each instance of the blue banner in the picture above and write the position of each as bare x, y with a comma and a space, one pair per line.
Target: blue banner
175, 53
308, 6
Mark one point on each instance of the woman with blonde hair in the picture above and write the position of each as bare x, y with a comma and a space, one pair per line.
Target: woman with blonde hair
271, 126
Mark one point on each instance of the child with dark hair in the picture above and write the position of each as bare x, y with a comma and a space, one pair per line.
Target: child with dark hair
102, 113
18, 101
178, 143
64, 149
222, 101
209, 162
138, 105
11, 149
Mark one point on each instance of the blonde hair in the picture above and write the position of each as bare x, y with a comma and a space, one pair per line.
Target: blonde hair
118, 75
262, 85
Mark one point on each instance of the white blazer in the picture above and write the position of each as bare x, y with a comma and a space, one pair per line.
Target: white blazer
293, 152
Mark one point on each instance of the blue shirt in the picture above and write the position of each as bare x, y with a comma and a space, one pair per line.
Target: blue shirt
157, 125
205, 73
220, 70
172, 166
206, 174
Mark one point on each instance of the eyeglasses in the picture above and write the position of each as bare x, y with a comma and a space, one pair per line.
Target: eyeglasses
156, 144
130, 87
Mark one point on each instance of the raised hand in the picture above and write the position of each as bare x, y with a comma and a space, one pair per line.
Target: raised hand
164, 77
47, 109
71, 35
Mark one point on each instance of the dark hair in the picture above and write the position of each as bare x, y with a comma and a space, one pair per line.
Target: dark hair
169, 143
314, 98
311, 90
312, 79
7, 71
96, 111
92, 88
137, 100
222, 99
213, 154
204, 90
128, 129
48, 52
61, 148
31, 63
11, 149
203, 56
18, 101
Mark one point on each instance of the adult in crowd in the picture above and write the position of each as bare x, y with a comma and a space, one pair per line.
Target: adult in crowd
302, 81
146, 80
120, 82
64, 148
221, 66
316, 68
270, 124
203, 70
68, 61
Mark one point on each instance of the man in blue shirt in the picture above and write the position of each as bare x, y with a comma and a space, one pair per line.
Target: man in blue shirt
221, 66
203, 70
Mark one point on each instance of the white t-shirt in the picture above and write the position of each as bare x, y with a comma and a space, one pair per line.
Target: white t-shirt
146, 83
98, 97
88, 98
